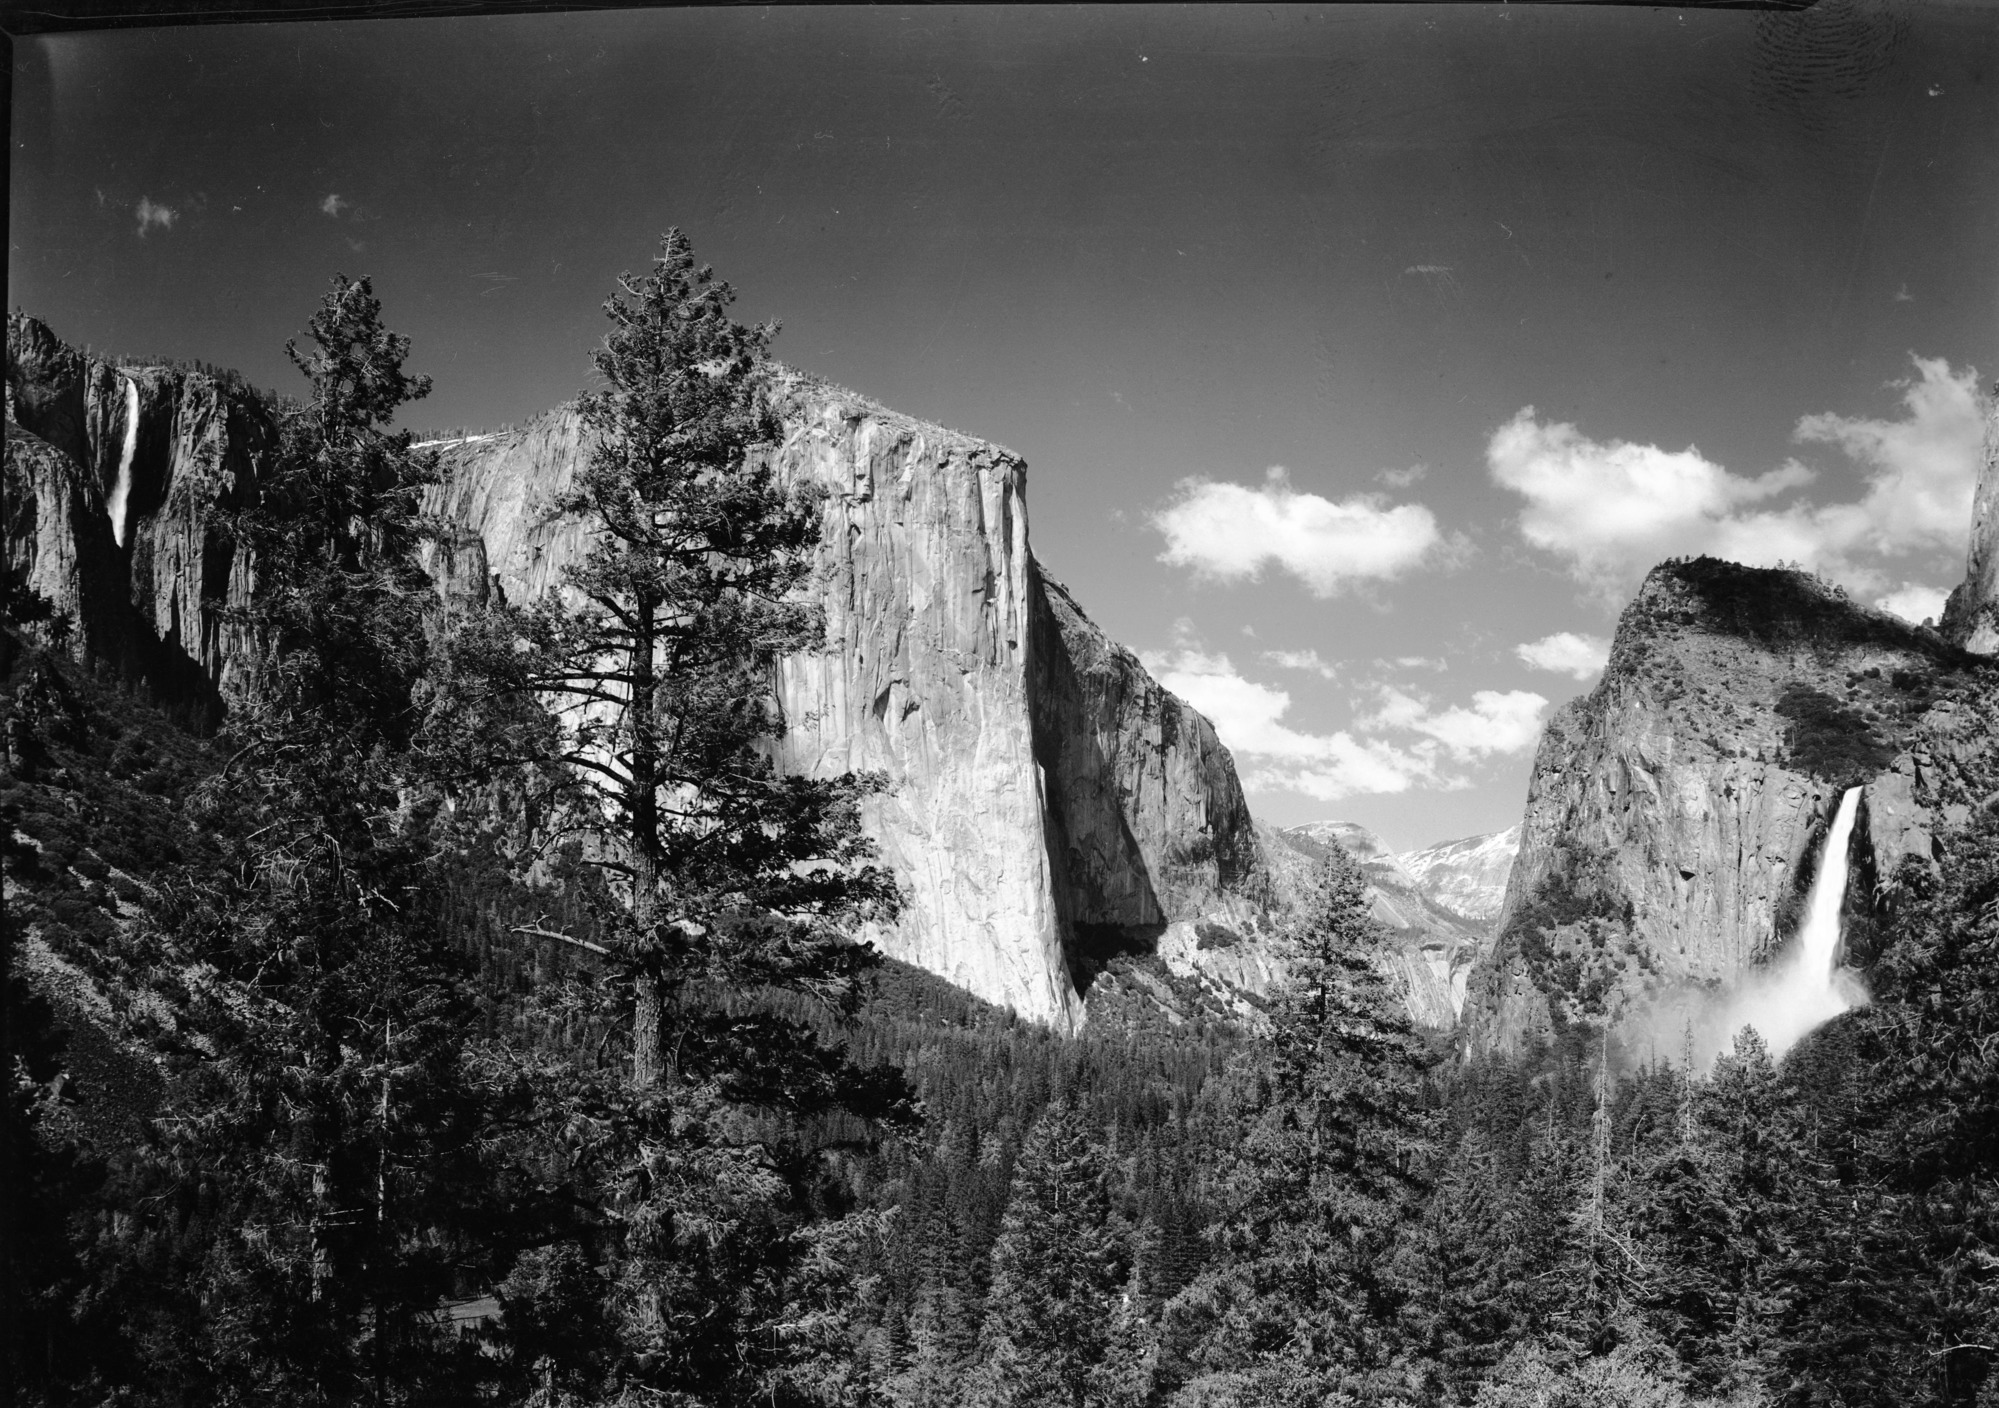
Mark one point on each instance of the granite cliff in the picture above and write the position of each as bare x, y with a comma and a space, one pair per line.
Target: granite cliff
117, 480
1971, 616
1675, 813
1052, 806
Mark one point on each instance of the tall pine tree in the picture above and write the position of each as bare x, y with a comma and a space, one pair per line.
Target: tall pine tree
1323, 1184
317, 1174
1061, 1325
652, 673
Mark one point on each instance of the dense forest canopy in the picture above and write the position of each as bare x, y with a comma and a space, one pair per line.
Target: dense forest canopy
475, 1018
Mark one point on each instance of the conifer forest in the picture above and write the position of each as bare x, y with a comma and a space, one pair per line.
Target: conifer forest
470, 1009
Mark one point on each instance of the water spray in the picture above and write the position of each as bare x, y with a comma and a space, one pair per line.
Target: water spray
1810, 986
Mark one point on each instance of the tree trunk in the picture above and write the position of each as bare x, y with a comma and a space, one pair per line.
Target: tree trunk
647, 1061
381, 1346
642, 803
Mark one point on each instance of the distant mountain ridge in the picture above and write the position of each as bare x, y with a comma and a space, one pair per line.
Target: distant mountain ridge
1433, 944
1466, 876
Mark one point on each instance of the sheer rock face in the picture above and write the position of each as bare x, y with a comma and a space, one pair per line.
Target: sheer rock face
57, 532
925, 577
1146, 821
133, 472
1675, 813
1971, 616
1050, 802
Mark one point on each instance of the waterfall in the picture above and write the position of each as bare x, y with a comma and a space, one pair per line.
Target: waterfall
121, 491
1809, 987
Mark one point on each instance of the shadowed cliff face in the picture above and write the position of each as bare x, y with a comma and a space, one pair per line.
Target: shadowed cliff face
1675, 812
119, 484
1971, 616
1146, 824
1051, 807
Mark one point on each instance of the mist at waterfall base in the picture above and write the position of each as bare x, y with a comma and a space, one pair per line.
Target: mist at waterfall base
1785, 1001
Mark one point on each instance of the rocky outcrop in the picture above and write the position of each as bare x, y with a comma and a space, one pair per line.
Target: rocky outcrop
1971, 616
59, 539
1467, 877
1147, 824
1674, 813
128, 476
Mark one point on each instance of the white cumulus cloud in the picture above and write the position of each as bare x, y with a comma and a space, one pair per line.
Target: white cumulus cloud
1307, 661
1921, 469
1434, 747
1913, 601
1566, 653
333, 205
1609, 505
1496, 722
1231, 532
1613, 509
152, 214
1273, 756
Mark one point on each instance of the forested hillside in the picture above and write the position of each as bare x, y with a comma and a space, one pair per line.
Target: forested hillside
473, 1017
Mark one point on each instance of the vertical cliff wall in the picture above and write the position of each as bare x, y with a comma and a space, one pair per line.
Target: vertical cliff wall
1673, 813
1146, 823
119, 484
1971, 616
927, 584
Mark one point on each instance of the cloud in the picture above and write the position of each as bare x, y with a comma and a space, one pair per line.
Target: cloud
1230, 532
333, 205
1566, 653
1495, 722
1605, 506
1245, 713
151, 214
1913, 601
1613, 509
1305, 660
1402, 478
1921, 469
1274, 756
1352, 768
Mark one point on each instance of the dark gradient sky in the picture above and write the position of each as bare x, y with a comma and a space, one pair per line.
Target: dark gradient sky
1135, 245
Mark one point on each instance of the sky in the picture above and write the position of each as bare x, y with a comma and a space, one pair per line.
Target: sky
1364, 357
